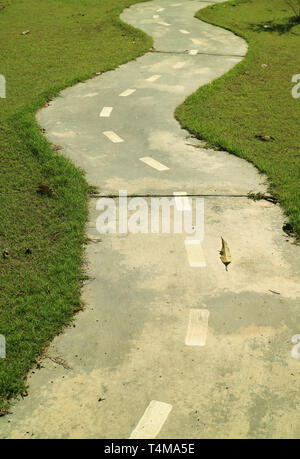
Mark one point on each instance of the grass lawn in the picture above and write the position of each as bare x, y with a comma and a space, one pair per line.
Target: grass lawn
255, 97
43, 232
41, 274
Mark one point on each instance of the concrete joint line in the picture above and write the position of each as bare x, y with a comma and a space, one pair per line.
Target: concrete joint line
115, 196
199, 53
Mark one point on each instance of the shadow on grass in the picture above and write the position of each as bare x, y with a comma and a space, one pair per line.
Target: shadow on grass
272, 26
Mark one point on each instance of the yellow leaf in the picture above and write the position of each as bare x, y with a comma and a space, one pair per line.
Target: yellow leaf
225, 254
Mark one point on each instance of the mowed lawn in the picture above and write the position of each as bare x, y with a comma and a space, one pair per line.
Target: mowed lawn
42, 231
255, 98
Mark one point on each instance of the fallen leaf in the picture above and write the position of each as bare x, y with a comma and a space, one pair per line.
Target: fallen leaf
44, 189
260, 196
94, 240
225, 254
264, 138
57, 147
273, 291
26, 32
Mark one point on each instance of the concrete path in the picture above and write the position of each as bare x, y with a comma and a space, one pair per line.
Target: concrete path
128, 369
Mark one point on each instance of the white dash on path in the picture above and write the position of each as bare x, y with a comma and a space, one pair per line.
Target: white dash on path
197, 328
62, 134
179, 65
160, 10
195, 253
152, 420
182, 202
153, 78
90, 94
156, 16
113, 136
193, 52
164, 23
127, 93
184, 31
153, 163
106, 112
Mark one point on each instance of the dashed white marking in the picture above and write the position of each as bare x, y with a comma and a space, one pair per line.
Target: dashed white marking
197, 328
113, 137
182, 202
198, 42
179, 65
106, 112
195, 253
156, 16
90, 94
127, 93
62, 134
153, 78
152, 420
160, 10
164, 23
193, 52
153, 163
184, 31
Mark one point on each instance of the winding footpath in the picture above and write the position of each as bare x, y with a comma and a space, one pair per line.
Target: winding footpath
170, 344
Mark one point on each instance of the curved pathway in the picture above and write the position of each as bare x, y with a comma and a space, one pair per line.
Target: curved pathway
128, 369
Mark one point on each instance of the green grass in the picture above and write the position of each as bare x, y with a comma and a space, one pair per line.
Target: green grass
4, 3
255, 99
69, 41
40, 290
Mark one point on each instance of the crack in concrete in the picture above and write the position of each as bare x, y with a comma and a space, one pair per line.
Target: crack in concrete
268, 198
199, 53
113, 196
59, 361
